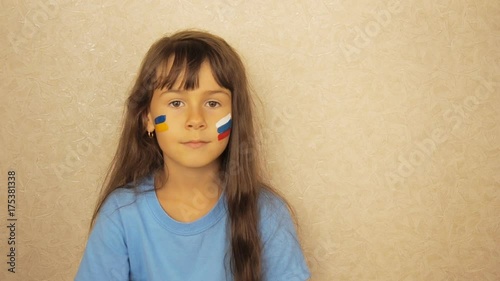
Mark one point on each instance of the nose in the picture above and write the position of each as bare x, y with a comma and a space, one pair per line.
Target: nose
195, 120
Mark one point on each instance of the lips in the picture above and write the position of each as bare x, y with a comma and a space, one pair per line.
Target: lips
195, 143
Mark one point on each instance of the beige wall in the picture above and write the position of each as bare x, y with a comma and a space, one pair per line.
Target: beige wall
381, 124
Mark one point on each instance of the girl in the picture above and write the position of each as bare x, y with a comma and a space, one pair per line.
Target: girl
184, 198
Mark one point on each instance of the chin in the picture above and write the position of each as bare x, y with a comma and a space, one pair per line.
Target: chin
195, 163
195, 160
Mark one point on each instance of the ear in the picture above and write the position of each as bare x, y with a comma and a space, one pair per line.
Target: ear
150, 125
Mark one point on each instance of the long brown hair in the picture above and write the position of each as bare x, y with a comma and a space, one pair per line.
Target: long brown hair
138, 156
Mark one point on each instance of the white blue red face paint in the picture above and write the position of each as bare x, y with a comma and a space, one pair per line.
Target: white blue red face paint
161, 124
224, 127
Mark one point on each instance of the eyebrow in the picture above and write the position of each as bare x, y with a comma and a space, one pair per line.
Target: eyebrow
209, 92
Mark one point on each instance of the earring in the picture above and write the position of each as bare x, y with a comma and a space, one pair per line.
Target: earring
151, 134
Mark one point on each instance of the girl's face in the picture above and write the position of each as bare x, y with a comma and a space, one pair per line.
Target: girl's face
192, 126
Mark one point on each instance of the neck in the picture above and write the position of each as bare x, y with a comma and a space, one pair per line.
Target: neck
184, 182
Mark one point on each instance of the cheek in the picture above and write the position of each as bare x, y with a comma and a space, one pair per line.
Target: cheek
223, 127
224, 143
161, 123
167, 142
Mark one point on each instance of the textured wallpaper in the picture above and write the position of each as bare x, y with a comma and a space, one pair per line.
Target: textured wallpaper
380, 123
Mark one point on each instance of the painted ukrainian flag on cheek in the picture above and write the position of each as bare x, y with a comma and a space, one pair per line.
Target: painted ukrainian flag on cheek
224, 127
160, 124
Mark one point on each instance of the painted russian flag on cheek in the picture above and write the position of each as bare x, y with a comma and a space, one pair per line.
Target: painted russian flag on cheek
224, 127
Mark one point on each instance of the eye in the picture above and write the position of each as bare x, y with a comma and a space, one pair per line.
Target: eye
213, 103
175, 103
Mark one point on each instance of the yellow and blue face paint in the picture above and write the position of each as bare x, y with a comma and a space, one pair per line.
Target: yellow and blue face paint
160, 124
224, 127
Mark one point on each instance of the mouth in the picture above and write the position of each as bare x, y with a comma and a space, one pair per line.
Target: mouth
195, 143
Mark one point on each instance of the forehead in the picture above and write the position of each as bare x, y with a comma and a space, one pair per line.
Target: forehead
174, 74
166, 64
177, 72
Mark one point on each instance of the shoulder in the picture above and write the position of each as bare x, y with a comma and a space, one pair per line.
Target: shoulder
120, 197
271, 203
125, 197
274, 214
282, 253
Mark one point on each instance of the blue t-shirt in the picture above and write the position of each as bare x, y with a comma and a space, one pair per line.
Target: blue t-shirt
135, 239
